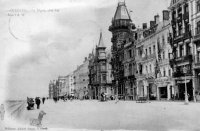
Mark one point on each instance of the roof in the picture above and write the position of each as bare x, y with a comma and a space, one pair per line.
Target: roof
101, 43
122, 12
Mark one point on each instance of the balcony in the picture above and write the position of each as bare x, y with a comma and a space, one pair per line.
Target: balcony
197, 34
182, 59
146, 57
179, 72
179, 37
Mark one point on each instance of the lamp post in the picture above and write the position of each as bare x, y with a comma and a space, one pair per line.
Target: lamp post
186, 96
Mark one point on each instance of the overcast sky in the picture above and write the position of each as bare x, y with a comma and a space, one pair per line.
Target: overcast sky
38, 46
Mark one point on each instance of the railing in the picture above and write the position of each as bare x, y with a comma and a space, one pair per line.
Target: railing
149, 56
179, 37
187, 58
179, 73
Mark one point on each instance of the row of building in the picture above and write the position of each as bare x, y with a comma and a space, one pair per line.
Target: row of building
156, 61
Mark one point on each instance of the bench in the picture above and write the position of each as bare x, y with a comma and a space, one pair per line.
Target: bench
141, 100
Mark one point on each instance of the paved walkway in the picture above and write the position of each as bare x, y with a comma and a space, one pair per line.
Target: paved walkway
128, 115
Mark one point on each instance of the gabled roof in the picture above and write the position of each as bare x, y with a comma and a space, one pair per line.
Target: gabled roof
101, 43
122, 12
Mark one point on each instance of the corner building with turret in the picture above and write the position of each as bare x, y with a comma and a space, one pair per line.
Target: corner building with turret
123, 50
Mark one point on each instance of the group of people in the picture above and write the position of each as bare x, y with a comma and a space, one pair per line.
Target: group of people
31, 102
64, 98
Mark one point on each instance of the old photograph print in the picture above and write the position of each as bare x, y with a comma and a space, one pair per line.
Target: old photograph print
99, 65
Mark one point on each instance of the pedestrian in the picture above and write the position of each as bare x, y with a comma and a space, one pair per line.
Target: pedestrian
43, 100
2, 112
37, 101
116, 98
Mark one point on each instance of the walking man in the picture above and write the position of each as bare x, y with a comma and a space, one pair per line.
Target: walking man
43, 100
37, 101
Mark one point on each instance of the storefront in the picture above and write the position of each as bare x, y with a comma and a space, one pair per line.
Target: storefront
165, 90
140, 89
180, 95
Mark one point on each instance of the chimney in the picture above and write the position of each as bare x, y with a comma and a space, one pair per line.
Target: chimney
144, 26
165, 15
156, 19
152, 23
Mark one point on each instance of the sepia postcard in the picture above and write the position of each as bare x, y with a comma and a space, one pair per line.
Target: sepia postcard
99, 65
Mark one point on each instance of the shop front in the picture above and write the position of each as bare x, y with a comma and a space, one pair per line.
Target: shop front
180, 95
140, 89
165, 90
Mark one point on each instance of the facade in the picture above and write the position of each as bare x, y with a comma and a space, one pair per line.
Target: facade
154, 74
100, 71
81, 80
195, 24
62, 85
182, 48
51, 85
122, 40
71, 84
153, 62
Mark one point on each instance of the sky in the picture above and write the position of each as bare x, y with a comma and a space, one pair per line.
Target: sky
42, 39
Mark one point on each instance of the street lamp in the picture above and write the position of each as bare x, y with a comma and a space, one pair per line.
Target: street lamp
186, 96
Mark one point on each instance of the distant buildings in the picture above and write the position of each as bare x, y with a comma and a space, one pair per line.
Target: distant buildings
81, 80
157, 62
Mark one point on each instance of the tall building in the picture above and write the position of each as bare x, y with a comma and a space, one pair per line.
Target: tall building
81, 80
181, 43
71, 84
62, 85
51, 90
122, 35
100, 71
195, 24
154, 74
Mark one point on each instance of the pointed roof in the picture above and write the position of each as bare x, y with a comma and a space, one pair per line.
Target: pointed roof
101, 43
122, 12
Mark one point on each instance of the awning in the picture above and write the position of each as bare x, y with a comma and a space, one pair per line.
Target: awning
182, 81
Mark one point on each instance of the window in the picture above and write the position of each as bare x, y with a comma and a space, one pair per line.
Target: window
146, 69
163, 39
150, 68
188, 49
198, 28
150, 50
164, 73
104, 77
146, 51
130, 53
169, 72
130, 69
198, 6
181, 51
154, 48
163, 55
